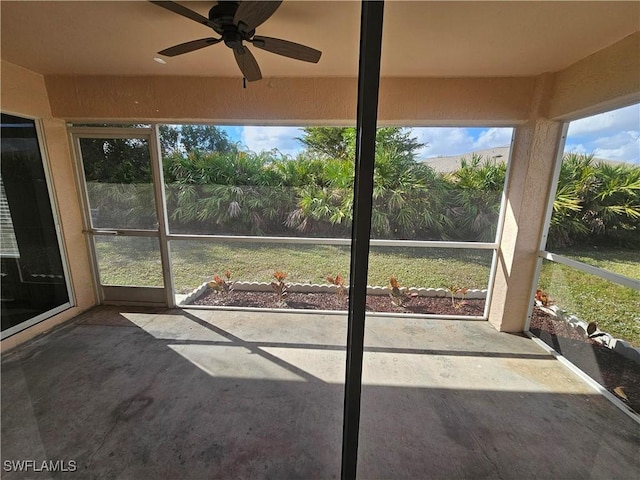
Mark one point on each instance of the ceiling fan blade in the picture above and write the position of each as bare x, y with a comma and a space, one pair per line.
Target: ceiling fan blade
247, 63
287, 48
189, 46
185, 12
251, 14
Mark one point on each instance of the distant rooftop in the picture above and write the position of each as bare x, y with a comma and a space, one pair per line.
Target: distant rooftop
452, 162
500, 154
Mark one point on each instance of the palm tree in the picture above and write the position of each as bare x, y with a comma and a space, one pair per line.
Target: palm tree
598, 201
476, 189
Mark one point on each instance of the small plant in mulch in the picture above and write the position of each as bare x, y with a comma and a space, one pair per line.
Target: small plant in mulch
338, 281
543, 298
400, 296
279, 287
220, 285
455, 290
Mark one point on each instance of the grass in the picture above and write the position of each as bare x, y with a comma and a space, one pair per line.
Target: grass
617, 260
131, 261
128, 261
616, 309
195, 262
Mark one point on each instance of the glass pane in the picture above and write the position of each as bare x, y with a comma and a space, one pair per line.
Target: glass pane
129, 261
119, 183
430, 184
33, 280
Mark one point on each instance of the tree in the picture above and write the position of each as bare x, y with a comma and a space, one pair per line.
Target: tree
596, 202
398, 140
168, 139
331, 142
474, 203
116, 160
206, 138
340, 142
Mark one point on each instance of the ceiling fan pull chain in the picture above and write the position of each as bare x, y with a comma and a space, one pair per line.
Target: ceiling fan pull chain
244, 82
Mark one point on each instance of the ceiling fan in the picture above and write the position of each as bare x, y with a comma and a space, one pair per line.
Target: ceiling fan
236, 23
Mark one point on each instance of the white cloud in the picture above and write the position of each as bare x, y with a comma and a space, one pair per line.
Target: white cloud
627, 118
617, 140
447, 141
493, 137
260, 139
575, 148
623, 146
443, 141
611, 135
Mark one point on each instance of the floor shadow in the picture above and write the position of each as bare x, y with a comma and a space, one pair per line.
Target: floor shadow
123, 403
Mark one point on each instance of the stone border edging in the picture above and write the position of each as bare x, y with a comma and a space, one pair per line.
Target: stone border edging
605, 339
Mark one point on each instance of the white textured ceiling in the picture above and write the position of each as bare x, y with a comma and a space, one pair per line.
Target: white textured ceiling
420, 38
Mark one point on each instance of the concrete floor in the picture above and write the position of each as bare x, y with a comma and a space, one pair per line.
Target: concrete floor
132, 393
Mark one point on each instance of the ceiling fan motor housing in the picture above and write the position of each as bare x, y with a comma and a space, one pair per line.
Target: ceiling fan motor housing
222, 15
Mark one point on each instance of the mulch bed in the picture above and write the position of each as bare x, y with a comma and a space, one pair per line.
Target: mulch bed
616, 373
331, 301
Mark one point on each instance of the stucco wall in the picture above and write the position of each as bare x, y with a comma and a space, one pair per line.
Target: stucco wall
606, 80
295, 101
24, 93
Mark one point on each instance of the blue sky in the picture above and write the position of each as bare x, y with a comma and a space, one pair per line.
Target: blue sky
613, 135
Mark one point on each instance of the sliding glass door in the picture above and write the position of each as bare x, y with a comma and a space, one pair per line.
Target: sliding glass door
34, 280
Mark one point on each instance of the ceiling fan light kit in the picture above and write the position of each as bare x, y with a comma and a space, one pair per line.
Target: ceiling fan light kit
236, 23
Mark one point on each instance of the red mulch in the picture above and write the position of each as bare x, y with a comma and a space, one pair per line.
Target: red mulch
616, 373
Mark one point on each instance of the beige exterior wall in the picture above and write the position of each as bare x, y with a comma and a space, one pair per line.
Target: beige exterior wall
24, 93
293, 101
606, 80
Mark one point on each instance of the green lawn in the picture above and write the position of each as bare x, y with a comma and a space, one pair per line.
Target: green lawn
129, 261
616, 309
618, 260
136, 261
195, 262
